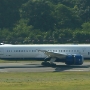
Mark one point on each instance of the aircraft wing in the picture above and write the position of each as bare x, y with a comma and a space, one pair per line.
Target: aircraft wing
53, 54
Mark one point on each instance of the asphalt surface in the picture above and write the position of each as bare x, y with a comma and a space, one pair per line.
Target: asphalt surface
37, 67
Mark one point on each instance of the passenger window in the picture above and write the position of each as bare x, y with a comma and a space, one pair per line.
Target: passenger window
16, 50
88, 53
21, 50
26, 50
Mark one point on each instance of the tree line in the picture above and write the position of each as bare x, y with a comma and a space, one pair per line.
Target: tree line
44, 21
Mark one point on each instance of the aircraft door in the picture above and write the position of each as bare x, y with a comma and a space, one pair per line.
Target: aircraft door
1, 52
83, 51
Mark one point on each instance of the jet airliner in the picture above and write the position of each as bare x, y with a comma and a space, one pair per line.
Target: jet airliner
70, 54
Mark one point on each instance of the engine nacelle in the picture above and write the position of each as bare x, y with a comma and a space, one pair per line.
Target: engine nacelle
74, 60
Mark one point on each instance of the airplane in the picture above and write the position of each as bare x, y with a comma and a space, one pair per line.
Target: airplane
70, 54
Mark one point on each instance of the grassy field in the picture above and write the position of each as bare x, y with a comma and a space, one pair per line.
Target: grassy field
45, 81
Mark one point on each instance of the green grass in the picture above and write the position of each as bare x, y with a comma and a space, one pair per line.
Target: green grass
45, 81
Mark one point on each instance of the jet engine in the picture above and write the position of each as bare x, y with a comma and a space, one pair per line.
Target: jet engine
74, 60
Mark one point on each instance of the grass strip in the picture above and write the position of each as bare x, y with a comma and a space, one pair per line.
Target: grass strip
45, 81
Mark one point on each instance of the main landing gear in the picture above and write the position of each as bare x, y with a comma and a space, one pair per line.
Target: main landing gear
49, 64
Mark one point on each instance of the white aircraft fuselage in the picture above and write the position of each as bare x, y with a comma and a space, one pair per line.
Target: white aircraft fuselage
32, 51
70, 54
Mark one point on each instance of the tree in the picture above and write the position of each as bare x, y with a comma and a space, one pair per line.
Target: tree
21, 29
83, 9
65, 17
39, 14
86, 26
9, 12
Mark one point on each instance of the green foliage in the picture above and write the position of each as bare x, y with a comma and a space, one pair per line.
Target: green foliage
44, 21
39, 14
86, 26
65, 17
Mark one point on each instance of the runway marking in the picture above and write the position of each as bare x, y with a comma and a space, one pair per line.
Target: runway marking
76, 70
1, 70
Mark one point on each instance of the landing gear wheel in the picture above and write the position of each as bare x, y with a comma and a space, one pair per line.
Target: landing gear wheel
45, 63
53, 65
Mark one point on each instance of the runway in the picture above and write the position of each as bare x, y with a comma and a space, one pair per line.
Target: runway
37, 67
